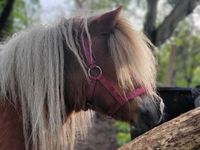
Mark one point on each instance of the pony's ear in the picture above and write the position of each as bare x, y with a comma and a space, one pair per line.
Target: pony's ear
105, 23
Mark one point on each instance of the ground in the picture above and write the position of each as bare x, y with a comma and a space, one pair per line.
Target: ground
101, 136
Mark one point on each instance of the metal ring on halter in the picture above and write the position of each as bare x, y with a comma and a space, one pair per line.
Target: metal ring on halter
99, 72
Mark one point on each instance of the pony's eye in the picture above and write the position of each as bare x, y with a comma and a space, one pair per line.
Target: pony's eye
104, 34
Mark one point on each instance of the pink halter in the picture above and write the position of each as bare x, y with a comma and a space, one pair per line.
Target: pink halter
120, 98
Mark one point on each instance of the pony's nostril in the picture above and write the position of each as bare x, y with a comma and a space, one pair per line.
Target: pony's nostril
150, 118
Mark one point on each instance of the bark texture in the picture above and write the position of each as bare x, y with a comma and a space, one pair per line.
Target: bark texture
181, 133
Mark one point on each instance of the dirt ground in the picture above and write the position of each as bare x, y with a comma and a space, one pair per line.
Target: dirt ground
101, 136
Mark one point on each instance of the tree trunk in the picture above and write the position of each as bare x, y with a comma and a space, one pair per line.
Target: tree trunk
170, 67
150, 19
5, 15
181, 133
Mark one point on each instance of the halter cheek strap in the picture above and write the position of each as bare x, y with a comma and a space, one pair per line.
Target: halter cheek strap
99, 77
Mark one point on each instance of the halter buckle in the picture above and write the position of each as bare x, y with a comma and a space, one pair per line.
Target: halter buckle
95, 72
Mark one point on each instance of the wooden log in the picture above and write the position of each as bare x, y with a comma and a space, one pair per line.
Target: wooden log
181, 133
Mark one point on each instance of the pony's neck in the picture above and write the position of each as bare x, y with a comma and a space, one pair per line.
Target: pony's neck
11, 128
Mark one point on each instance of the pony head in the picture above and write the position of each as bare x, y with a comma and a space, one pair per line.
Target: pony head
125, 60
119, 60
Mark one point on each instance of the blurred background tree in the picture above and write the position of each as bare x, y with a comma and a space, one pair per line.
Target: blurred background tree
101, 4
172, 25
5, 21
179, 60
16, 15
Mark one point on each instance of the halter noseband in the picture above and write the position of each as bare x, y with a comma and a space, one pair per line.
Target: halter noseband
98, 76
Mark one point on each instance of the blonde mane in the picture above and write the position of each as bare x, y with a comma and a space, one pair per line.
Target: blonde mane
133, 59
31, 75
134, 62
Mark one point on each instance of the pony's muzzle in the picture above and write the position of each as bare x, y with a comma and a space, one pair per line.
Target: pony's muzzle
149, 115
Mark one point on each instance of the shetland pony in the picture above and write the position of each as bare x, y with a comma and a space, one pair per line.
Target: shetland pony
46, 80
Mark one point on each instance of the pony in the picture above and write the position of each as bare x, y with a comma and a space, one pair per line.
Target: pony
51, 77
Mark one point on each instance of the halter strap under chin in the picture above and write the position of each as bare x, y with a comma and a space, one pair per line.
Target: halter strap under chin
99, 77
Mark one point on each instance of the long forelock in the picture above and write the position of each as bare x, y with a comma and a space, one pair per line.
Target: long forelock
134, 61
31, 73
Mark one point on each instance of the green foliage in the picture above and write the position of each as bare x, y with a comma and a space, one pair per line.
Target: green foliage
122, 138
196, 74
162, 61
14, 20
123, 132
2, 3
19, 18
187, 63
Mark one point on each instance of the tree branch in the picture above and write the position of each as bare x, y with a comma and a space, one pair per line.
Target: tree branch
150, 19
182, 9
182, 133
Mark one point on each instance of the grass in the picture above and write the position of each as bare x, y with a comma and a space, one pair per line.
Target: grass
122, 132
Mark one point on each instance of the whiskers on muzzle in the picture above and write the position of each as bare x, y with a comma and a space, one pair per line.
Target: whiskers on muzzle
150, 113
